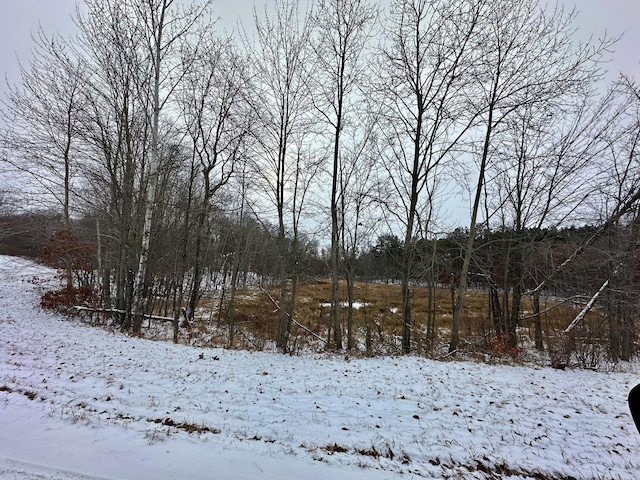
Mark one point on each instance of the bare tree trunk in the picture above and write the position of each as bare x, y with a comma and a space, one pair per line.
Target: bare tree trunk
406, 291
350, 293
282, 334
336, 309
231, 308
535, 300
199, 233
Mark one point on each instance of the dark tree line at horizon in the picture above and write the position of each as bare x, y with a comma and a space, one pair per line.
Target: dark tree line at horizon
190, 156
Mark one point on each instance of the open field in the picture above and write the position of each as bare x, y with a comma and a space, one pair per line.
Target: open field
377, 323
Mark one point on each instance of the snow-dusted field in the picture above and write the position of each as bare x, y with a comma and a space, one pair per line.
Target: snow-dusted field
79, 402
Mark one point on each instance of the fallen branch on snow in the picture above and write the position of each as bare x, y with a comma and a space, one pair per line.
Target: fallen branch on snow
122, 312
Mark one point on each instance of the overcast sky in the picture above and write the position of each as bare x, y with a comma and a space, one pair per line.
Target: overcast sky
20, 18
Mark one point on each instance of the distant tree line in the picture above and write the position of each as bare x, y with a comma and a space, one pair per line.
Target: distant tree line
327, 141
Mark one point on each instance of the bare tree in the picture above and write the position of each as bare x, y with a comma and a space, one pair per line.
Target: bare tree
130, 50
529, 58
41, 117
543, 160
212, 99
281, 106
619, 185
424, 71
358, 209
343, 28
114, 139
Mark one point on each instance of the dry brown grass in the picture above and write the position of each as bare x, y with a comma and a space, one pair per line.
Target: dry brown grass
378, 318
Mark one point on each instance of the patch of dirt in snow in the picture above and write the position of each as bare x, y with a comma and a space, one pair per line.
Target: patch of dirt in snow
404, 415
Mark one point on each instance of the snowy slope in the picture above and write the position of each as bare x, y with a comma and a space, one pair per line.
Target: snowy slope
80, 402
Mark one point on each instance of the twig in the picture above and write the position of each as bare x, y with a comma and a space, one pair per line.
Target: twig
453, 352
553, 307
292, 319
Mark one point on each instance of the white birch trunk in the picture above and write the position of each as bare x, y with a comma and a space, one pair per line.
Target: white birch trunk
138, 302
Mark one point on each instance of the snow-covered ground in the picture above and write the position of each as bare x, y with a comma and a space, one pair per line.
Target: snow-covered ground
79, 402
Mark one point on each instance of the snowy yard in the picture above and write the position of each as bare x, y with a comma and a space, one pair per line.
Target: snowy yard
80, 402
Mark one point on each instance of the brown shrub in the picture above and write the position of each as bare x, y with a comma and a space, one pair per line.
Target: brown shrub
66, 298
501, 345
